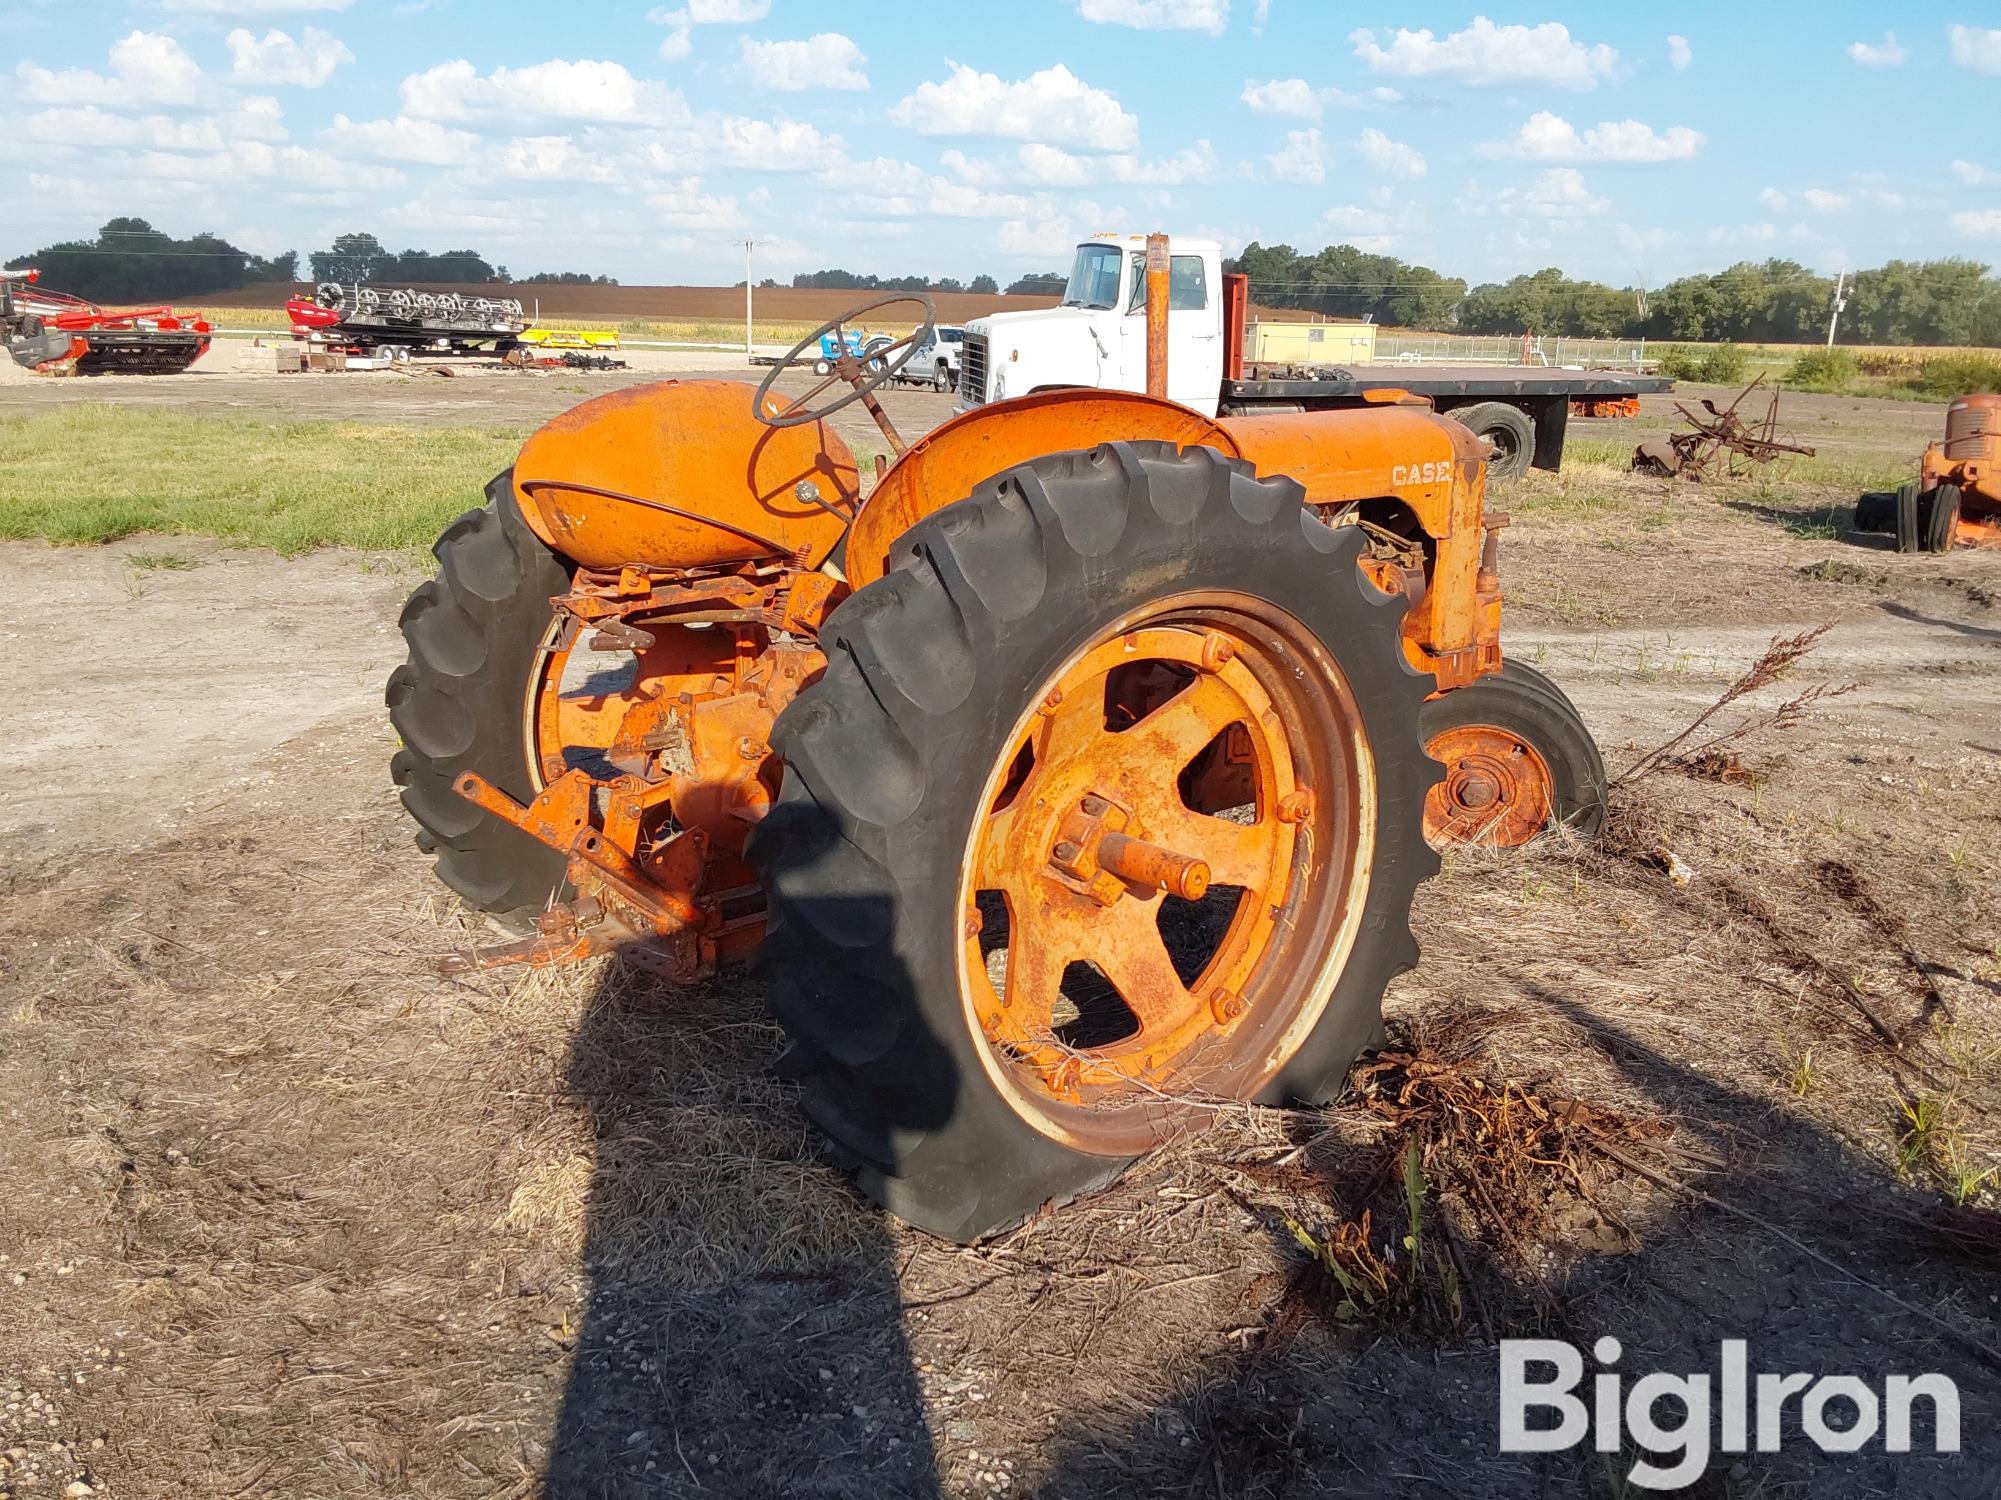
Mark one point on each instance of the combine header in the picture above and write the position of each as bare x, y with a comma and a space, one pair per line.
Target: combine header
362, 319
54, 333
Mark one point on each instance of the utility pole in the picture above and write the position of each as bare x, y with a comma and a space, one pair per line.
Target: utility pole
748, 245
1840, 301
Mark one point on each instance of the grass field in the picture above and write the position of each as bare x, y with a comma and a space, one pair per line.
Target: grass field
95, 472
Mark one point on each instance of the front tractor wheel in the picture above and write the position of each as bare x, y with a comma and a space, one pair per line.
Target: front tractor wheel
1108, 806
1517, 759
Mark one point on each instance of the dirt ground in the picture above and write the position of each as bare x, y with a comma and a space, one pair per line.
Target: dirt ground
286, 1214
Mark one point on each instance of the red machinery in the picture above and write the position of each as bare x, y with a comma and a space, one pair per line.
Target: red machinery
55, 333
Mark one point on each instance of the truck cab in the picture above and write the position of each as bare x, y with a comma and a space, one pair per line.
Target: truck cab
1096, 336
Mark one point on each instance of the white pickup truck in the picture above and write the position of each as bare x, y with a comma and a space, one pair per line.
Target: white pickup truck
1096, 337
936, 363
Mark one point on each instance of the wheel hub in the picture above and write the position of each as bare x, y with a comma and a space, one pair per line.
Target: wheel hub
1148, 843
1497, 788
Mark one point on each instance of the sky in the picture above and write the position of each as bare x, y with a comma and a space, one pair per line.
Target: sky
1626, 143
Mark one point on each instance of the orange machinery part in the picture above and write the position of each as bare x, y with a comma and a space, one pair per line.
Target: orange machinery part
1970, 457
682, 475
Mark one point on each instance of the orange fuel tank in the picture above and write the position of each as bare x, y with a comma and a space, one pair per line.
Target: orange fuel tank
682, 475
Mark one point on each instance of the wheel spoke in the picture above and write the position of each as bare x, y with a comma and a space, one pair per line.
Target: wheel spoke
1129, 950
1038, 952
1175, 733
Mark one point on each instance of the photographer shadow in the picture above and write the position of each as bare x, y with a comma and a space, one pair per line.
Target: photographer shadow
742, 1331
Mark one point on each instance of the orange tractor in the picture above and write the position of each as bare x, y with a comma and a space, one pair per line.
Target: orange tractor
1956, 499
1076, 777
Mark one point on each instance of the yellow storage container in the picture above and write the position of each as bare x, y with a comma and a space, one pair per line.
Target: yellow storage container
1312, 343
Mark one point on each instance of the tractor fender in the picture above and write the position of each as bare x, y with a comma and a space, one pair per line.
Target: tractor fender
681, 474
949, 462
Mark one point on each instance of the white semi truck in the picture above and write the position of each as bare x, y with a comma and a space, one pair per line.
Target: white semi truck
1096, 337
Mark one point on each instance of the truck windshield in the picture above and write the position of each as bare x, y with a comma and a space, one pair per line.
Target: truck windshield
1094, 279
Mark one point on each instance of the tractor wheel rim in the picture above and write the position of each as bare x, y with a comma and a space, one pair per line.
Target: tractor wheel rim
1497, 788
1106, 789
577, 700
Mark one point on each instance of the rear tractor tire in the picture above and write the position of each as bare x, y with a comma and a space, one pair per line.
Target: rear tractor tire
1517, 760
461, 703
1109, 805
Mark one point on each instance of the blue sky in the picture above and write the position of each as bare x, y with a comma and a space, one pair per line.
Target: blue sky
1628, 143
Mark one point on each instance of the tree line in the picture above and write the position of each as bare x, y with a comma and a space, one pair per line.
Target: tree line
1950, 301
853, 281
131, 261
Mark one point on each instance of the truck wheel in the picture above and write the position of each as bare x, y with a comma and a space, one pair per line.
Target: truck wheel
461, 703
941, 379
1517, 758
1508, 434
1108, 805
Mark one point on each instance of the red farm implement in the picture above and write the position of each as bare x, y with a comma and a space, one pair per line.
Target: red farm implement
57, 334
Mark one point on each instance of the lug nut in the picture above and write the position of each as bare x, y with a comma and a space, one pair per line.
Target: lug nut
1067, 851
1226, 1006
1295, 806
1093, 806
1217, 651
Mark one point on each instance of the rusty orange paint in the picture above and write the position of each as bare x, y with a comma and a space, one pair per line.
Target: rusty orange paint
682, 475
1085, 848
948, 463
1497, 788
1969, 457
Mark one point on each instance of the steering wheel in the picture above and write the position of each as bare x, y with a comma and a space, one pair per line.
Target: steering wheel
866, 376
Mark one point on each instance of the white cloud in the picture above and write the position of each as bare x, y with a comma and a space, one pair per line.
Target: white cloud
146, 68
1301, 159
679, 41
1976, 48
711, 13
1821, 201
1159, 15
1772, 198
826, 61
86, 127
1680, 54
1490, 55
308, 62
1052, 166
420, 142
1350, 218
605, 92
1390, 158
1548, 137
1053, 106
1560, 192
248, 8
1301, 100
1985, 222
769, 145
1975, 175
1884, 54
1742, 234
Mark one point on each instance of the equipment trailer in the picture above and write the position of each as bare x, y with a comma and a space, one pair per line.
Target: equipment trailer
1097, 338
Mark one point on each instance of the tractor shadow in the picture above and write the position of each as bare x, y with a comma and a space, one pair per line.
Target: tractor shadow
743, 1333
743, 1323
1319, 1409
1817, 523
